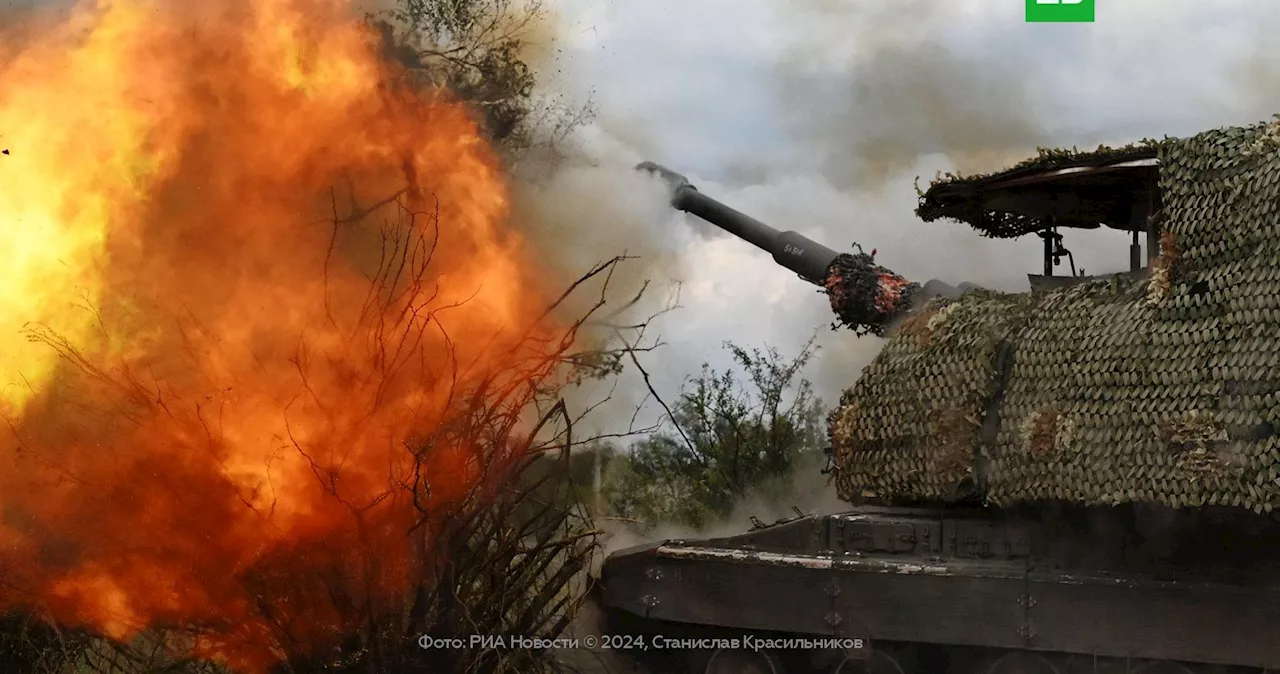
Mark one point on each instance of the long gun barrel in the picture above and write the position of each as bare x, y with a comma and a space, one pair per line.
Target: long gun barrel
802, 255
864, 296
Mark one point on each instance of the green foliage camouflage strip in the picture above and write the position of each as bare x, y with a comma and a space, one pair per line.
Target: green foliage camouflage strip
1161, 390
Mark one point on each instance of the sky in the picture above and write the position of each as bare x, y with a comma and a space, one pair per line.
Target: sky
819, 115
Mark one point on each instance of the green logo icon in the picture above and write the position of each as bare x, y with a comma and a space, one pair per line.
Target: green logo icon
1059, 11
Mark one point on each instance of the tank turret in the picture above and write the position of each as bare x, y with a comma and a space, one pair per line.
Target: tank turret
865, 296
1081, 478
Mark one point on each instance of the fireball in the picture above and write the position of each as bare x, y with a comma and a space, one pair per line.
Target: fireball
243, 276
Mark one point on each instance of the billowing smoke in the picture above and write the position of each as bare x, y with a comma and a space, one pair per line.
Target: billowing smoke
880, 85
585, 204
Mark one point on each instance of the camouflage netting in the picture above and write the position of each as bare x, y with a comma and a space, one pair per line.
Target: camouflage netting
949, 194
909, 428
864, 296
1163, 390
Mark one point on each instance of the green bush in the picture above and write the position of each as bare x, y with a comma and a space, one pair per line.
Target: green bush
728, 435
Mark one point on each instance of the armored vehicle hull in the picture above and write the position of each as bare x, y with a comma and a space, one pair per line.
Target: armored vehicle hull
1083, 478
962, 591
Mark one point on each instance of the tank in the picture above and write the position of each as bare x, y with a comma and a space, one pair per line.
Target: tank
1080, 478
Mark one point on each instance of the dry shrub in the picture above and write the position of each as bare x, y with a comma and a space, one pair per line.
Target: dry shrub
920, 326
1194, 441
28, 644
1267, 142
495, 571
1040, 431
418, 558
956, 436
1164, 269
842, 425
1196, 429
293, 354
1203, 464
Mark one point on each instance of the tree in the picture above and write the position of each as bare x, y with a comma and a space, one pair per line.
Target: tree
728, 435
480, 51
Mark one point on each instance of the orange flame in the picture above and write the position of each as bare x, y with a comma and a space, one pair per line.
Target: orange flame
890, 296
198, 372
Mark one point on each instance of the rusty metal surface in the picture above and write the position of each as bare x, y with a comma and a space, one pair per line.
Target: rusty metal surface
749, 556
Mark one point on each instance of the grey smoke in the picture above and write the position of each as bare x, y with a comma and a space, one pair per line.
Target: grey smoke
889, 89
581, 203
818, 115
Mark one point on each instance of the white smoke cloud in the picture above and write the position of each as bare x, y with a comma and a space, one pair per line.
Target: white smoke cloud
765, 111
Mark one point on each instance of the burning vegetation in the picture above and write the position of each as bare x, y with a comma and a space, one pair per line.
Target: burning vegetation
274, 354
